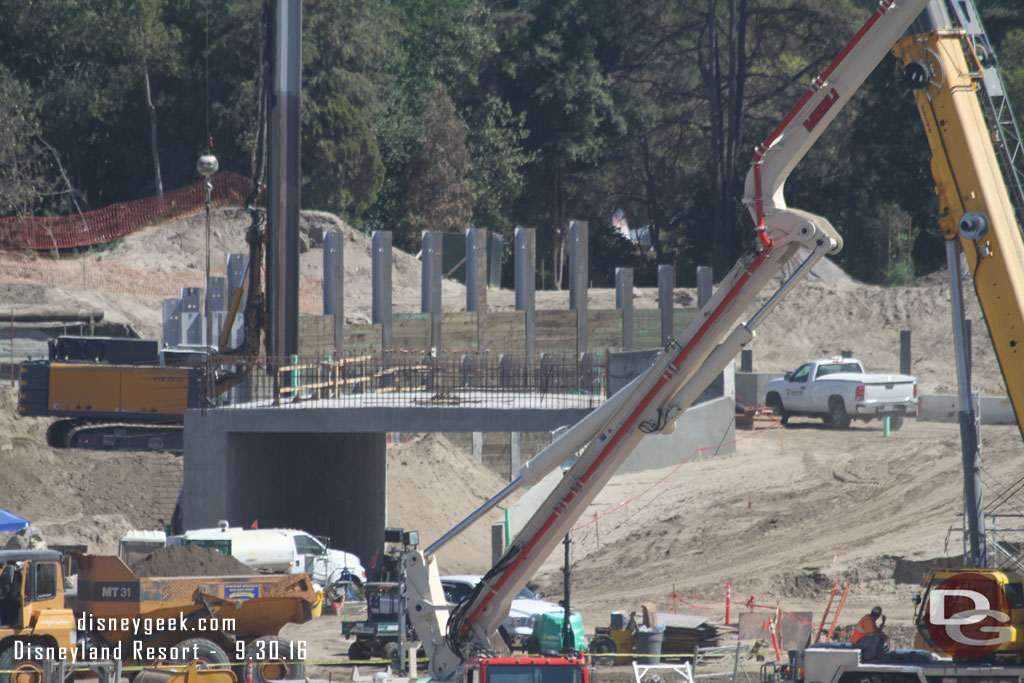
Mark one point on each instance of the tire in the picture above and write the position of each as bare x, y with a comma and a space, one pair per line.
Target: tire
837, 412
775, 403
359, 651
208, 653
28, 669
393, 653
895, 422
603, 645
533, 645
273, 660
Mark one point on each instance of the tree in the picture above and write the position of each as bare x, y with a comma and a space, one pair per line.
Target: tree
341, 150
558, 73
23, 168
439, 195
155, 43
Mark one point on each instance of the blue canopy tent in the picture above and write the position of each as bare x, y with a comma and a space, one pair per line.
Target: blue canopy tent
9, 522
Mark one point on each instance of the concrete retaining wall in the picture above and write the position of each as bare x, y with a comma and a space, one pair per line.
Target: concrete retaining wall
750, 386
711, 422
993, 410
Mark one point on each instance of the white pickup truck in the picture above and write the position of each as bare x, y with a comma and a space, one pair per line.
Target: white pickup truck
838, 390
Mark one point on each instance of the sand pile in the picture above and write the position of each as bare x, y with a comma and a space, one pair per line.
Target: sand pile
189, 560
432, 486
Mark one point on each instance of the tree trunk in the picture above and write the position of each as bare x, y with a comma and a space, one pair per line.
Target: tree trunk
154, 151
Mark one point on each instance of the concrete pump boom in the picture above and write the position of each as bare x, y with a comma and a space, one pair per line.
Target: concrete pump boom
655, 399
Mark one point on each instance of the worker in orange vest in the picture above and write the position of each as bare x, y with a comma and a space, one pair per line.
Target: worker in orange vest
868, 625
867, 635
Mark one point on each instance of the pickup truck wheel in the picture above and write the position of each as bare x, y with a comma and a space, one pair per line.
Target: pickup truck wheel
775, 403
208, 653
837, 411
895, 422
274, 660
28, 669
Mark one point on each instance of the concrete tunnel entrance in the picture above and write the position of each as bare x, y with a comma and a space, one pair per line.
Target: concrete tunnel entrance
329, 484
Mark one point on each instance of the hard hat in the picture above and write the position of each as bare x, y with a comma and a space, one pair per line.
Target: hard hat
876, 611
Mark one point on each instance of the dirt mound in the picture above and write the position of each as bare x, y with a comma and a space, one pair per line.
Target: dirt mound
189, 560
432, 485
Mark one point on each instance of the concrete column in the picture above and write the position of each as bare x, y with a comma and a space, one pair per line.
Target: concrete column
476, 282
904, 352
334, 286
666, 283
430, 284
381, 283
478, 446
624, 302
579, 271
497, 541
526, 283
746, 360
705, 276
516, 450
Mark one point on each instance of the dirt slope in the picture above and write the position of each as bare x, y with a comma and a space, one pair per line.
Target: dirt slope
785, 517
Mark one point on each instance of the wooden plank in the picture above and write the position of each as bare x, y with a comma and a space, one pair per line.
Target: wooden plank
316, 335
411, 334
556, 333
506, 332
604, 330
362, 340
458, 332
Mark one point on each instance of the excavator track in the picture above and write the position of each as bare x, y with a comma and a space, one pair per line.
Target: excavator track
121, 436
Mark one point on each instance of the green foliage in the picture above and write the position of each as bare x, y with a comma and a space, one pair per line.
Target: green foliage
442, 114
342, 151
1011, 61
439, 195
23, 177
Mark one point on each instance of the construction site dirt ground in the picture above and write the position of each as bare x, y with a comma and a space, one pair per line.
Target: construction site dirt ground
786, 516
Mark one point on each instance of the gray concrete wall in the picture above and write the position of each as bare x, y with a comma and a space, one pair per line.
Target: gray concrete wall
703, 425
707, 424
993, 410
331, 484
624, 366
750, 385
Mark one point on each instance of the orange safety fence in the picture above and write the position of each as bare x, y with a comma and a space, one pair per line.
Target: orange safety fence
117, 220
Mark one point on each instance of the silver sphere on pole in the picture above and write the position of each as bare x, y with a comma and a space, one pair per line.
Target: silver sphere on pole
207, 165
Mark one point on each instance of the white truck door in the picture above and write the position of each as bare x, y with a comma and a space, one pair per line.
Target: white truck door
798, 388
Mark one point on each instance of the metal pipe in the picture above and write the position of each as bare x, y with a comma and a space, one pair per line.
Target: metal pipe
970, 442
473, 516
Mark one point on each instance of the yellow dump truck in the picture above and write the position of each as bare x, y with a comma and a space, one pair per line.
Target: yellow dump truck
144, 620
